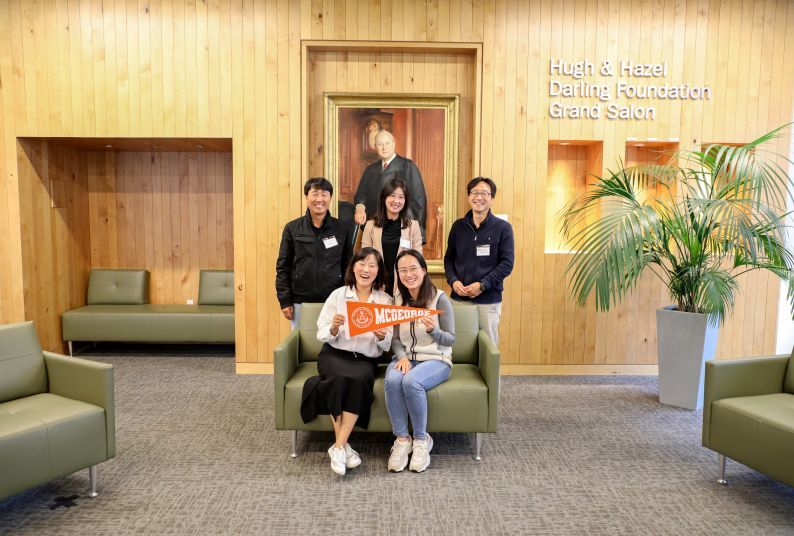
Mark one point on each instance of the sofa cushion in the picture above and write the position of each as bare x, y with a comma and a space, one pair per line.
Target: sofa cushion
216, 287
107, 323
191, 323
150, 323
458, 405
24, 453
22, 370
293, 395
737, 423
118, 287
777, 444
75, 430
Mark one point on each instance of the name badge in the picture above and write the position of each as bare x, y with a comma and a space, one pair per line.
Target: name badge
484, 250
405, 243
330, 242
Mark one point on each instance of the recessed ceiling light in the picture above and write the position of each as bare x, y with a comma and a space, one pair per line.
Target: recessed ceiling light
565, 143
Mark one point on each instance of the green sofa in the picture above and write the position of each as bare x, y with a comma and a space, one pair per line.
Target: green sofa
119, 310
56, 413
748, 414
467, 402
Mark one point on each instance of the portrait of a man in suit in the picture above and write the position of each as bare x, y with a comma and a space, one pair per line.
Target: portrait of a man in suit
388, 166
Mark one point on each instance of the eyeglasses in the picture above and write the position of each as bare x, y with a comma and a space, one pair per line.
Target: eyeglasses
412, 270
479, 193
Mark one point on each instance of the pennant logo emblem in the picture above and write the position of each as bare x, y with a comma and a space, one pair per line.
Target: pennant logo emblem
366, 317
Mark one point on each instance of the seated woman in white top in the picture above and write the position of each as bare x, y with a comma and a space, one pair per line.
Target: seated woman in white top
392, 230
422, 360
347, 364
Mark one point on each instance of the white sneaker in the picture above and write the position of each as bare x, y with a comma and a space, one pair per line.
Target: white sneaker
353, 459
399, 455
338, 460
421, 457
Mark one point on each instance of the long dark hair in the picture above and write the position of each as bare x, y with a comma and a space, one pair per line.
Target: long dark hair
381, 213
426, 292
363, 253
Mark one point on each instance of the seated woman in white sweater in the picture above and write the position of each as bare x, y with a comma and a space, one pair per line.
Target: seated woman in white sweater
347, 363
422, 360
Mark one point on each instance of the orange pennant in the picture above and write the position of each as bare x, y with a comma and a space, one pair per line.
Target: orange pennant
364, 317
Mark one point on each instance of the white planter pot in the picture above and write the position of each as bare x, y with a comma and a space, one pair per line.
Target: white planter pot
685, 342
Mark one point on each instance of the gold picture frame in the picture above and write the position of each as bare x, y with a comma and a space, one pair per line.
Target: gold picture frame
414, 120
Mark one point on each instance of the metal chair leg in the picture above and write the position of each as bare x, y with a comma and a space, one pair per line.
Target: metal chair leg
294, 443
70, 349
478, 445
721, 479
92, 475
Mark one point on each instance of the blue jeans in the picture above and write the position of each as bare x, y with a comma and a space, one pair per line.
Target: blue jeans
406, 394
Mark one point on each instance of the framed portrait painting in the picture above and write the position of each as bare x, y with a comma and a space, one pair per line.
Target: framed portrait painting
425, 131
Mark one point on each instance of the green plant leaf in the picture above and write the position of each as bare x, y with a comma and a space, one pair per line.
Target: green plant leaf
718, 214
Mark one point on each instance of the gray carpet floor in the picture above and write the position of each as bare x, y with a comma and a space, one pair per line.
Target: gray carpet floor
198, 454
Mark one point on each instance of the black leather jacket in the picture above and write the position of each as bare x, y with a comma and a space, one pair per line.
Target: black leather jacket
307, 270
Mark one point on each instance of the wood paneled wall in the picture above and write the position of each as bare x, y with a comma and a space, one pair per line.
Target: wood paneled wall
232, 68
167, 212
55, 240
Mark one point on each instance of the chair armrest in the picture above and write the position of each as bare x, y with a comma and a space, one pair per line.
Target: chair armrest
740, 377
285, 362
87, 381
489, 369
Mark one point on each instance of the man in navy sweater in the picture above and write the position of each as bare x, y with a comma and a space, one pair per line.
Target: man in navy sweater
480, 255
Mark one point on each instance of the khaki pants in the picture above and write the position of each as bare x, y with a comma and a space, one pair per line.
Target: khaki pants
489, 315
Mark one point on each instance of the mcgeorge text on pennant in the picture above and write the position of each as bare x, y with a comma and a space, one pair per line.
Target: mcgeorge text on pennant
363, 317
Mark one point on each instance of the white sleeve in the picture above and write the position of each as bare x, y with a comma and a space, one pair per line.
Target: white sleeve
325, 318
385, 344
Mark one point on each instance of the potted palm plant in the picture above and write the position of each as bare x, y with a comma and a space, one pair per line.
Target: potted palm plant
718, 212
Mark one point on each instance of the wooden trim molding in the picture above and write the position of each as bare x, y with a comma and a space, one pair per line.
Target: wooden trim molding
579, 370
254, 368
390, 46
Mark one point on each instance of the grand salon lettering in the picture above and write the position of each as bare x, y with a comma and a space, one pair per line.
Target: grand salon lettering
558, 110
584, 90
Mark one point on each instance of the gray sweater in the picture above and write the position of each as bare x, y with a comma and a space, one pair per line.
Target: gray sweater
411, 340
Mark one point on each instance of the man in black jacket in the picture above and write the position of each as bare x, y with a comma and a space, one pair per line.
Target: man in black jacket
390, 166
480, 255
313, 255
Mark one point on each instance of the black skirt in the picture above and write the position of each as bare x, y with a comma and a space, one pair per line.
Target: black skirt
345, 383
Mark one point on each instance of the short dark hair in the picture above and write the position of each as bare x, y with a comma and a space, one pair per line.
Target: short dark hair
427, 290
477, 180
318, 183
363, 253
388, 189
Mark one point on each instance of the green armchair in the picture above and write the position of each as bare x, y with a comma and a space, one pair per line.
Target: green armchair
56, 413
466, 403
748, 414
